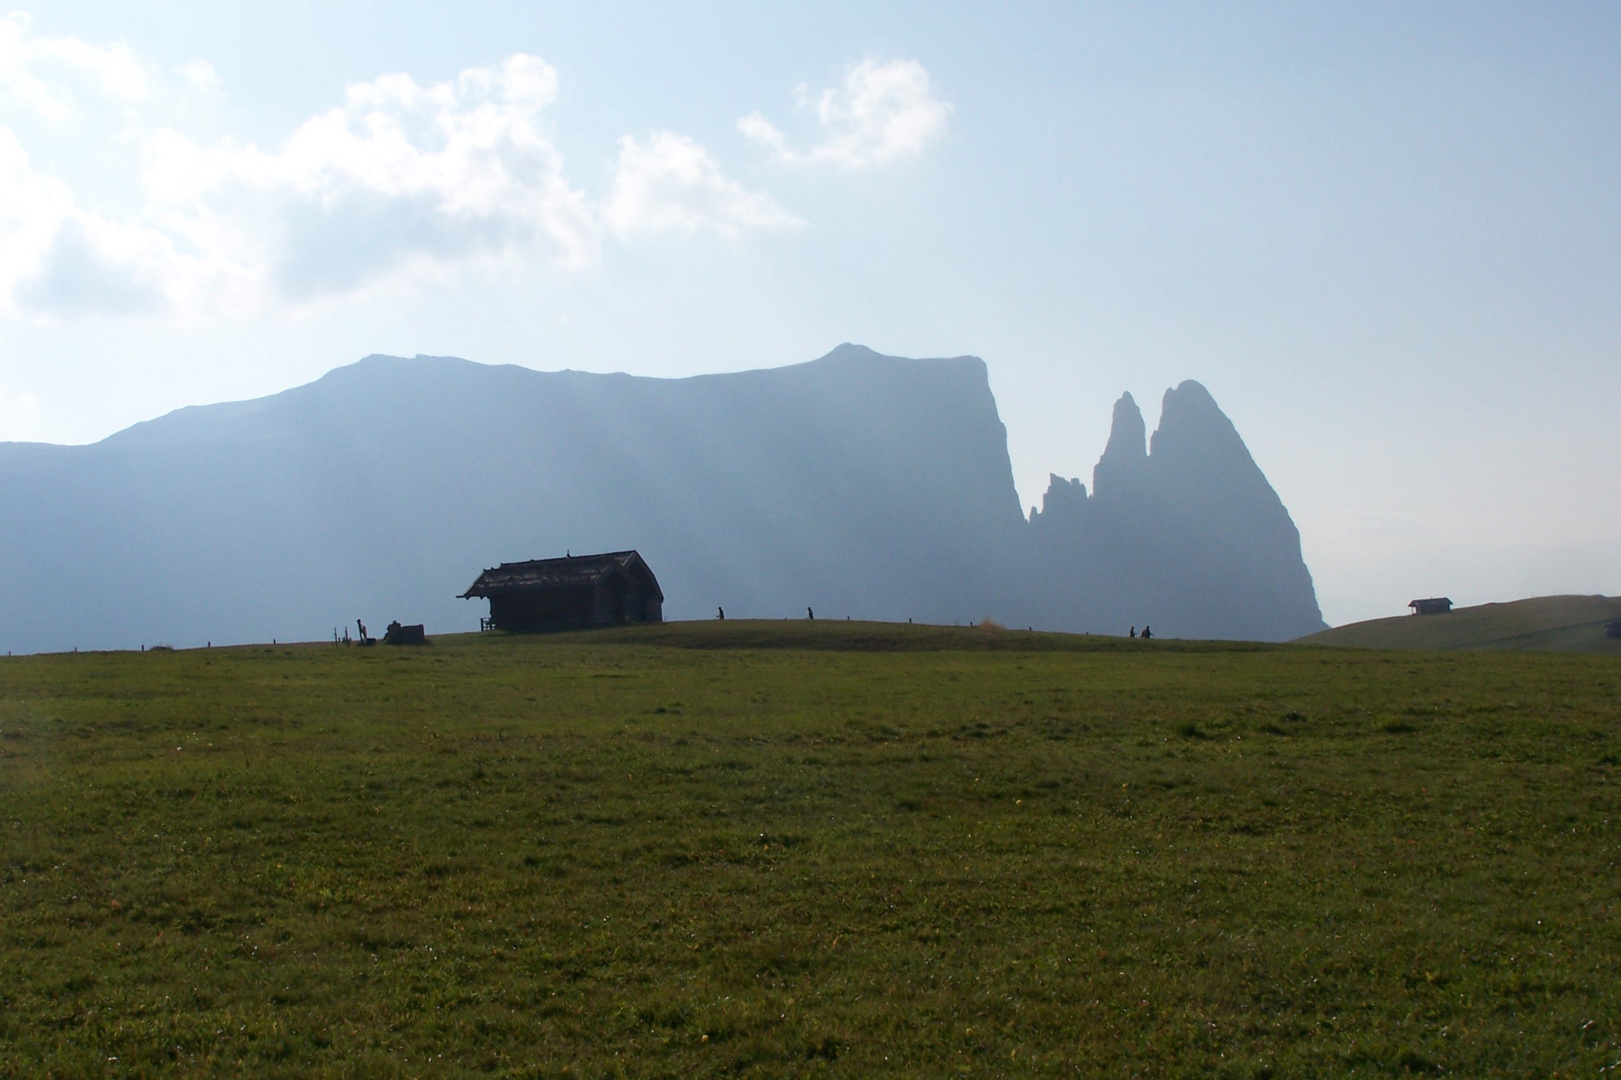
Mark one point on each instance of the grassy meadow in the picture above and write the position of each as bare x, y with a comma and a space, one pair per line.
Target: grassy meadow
1538, 624
789, 849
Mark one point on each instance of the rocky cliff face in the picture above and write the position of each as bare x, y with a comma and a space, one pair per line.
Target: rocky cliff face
858, 484
1186, 536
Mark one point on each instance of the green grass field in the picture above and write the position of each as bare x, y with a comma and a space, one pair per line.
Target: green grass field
1540, 624
757, 849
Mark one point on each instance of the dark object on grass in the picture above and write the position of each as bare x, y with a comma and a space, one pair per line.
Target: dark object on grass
1433, 605
720, 613
809, 614
365, 638
1613, 629
571, 593
405, 635
1147, 633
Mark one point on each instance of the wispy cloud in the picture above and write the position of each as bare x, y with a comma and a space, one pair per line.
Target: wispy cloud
400, 183
30, 65
884, 112
52, 251
669, 183
399, 179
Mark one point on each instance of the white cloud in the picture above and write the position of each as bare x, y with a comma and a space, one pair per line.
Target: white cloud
32, 207
56, 258
884, 112
401, 179
27, 62
669, 183
198, 75
400, 183
93, 266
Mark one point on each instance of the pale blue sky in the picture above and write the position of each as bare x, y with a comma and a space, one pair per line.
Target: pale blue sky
1386, 236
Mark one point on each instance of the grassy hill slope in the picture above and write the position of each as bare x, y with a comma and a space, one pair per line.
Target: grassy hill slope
1540, 624
840, 850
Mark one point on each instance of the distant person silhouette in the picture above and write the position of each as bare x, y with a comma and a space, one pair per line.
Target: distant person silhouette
720, 612
1133, 631
809, 614
1147, 633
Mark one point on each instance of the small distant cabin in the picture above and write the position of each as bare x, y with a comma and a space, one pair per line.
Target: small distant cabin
1434, 605
571, 593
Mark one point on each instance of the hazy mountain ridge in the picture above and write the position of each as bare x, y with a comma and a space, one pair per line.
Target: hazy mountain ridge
859, 484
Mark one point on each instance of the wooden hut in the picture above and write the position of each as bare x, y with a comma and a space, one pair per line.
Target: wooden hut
571, 593
1432, 605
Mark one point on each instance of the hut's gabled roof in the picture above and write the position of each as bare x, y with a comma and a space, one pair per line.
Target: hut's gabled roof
571, 571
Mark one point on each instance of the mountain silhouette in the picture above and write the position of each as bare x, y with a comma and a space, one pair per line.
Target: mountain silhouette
858, 484
1185, 533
